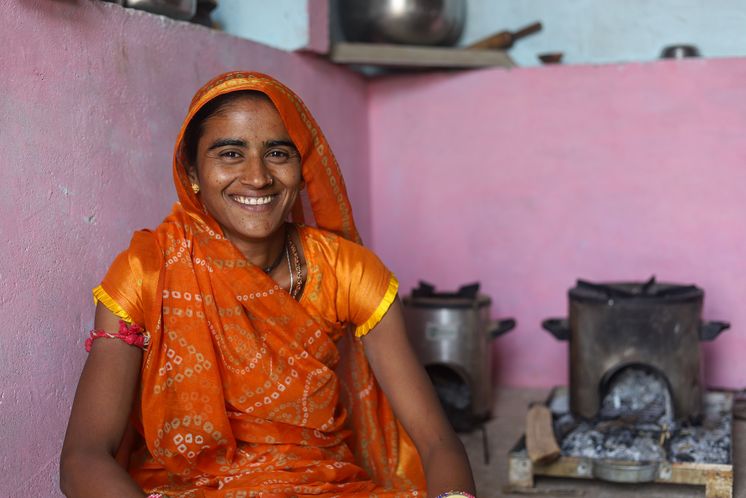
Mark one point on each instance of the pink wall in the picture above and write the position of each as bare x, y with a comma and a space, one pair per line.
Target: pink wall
91, 98
530, 178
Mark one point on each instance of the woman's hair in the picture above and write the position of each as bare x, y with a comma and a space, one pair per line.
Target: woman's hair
195, 128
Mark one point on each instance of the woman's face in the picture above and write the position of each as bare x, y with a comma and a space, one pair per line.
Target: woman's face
248, 170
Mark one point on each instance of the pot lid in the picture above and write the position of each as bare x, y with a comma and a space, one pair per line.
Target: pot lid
467, 296
650, 290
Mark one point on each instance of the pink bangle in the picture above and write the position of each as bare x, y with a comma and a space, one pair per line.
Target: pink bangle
455, 494
155, 495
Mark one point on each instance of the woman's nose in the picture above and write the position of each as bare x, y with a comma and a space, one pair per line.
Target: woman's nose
255, 173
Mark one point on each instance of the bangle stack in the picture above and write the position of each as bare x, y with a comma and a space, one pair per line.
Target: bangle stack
455, 494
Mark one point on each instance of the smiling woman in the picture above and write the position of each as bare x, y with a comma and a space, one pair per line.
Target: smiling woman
233, 374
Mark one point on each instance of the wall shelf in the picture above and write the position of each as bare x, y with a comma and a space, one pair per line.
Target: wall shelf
387, 55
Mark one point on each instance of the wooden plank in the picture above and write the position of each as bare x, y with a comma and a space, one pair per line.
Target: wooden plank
697, 473
681, 473
540, 442
717, 478
380, 54
719, 485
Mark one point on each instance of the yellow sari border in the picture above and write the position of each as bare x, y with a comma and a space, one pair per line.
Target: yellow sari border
381, 310
100, 296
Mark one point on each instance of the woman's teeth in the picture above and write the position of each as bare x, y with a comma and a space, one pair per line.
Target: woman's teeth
253, 201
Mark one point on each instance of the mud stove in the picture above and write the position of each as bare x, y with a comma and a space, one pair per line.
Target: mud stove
635, 409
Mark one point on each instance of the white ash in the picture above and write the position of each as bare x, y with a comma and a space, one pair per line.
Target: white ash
591, 440
708, 442
635, 423
638, 396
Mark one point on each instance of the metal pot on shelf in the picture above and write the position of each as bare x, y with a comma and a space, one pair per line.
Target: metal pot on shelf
176, 9
408, 22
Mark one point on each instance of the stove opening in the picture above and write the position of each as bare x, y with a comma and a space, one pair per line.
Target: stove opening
636, 394
455, 396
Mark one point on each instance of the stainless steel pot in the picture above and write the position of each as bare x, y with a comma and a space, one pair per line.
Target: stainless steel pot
409, 22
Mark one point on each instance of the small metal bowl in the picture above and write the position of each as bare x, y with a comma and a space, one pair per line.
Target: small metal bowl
625, 471
679, 52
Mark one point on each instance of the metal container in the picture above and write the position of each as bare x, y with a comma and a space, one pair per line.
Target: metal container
177, 9
652, 325
452, 334
408, 22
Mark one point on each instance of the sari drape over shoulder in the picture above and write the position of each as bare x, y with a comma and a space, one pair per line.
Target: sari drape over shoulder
245, 391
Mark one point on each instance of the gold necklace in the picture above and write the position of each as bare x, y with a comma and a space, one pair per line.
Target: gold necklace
296, 284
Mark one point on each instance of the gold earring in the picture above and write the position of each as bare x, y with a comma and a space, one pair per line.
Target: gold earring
195, 188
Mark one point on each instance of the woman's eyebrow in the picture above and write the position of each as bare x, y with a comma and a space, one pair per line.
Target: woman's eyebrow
278, 143
222, 142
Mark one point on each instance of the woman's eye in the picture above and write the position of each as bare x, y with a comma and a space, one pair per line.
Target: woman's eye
278, 155
230, 154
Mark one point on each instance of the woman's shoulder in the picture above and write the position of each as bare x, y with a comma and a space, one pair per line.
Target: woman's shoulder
330, 244
338, 253
317, 234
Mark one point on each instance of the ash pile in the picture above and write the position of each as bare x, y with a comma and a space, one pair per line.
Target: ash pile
636, 423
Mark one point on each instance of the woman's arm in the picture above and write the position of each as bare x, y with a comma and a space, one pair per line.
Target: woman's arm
99, 417
413, 399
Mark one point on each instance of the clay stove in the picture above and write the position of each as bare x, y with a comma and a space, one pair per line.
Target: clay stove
635, 409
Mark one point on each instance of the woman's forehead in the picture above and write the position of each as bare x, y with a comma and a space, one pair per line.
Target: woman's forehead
246, 116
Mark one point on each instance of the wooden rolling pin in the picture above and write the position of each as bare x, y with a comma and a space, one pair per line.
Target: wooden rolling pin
505, 39
540, 442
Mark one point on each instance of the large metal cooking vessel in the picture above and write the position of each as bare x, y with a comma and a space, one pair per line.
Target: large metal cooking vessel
409, 22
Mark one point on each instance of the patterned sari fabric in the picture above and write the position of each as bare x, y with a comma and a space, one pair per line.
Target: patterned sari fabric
245, 391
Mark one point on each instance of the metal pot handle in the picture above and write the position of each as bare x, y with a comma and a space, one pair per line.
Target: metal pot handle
558, 327
710, 330
500, 327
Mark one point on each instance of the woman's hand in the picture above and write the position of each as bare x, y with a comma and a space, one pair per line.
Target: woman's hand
99, 418
413, 399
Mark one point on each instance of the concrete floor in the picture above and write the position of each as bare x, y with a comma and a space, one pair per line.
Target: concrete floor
507, 425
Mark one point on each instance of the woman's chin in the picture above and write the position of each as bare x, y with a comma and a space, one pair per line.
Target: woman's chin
255, 234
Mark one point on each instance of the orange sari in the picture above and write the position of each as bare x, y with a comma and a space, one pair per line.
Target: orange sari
245, 391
